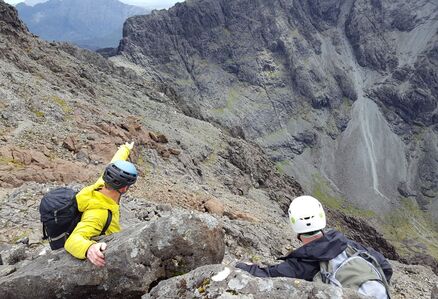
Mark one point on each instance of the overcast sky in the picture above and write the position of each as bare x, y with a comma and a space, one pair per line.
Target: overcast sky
152, 4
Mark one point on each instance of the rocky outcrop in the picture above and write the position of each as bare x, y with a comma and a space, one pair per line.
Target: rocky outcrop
18, 166
136, 260
42, 165
368, 34
259, 172
360, 231
9, 21
226, 282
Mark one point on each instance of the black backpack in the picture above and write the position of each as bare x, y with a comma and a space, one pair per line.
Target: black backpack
60, 215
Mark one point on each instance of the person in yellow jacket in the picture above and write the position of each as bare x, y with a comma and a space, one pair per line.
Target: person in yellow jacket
94, 202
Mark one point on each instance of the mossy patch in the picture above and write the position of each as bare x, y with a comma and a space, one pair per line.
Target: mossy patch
276, 136
61, 103
204, 285
184, 82
281, 166
232, 96
255, 259
408, 225
20, 235
322, 191
212, 159
346, 103
39, 114
272, 74
10, 161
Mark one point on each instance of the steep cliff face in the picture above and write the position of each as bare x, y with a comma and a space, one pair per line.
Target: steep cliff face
339, 93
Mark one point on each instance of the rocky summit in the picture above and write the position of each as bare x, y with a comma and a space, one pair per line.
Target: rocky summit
340, 94
216, 172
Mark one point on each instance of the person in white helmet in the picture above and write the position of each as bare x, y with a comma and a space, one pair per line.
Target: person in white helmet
307, 218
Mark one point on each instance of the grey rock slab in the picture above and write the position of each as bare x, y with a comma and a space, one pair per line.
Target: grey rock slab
14, 254
135, 259
6, 270
219, 281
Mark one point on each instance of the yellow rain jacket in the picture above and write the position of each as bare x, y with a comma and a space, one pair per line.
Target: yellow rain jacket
94, 207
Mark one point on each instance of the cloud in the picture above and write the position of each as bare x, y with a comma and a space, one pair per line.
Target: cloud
151, 4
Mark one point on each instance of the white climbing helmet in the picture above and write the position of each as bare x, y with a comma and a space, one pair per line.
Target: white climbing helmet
306, 215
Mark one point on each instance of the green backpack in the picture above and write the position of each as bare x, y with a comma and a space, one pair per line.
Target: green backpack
355, 269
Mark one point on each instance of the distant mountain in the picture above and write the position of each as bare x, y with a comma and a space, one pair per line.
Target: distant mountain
33, 2
89, 24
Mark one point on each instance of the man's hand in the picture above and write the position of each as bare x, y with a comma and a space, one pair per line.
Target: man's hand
95, 254
129, 145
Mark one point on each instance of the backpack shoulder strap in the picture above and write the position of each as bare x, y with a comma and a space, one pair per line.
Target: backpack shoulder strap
108, 222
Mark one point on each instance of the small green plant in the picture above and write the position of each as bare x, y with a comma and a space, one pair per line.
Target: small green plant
203, 287
62, 104
11, 161
39, 114
255, 259
281, 166
20, 235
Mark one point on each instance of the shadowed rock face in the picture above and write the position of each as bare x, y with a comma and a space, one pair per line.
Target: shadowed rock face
136, 260
344, 90
9, 19
367, 32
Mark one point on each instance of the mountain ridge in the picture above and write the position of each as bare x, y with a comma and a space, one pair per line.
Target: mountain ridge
96, 24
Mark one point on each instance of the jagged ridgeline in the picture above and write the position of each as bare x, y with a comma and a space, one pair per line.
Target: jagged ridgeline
235, 107
340, 94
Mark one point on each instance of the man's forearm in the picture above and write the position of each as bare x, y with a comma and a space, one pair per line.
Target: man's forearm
77, 246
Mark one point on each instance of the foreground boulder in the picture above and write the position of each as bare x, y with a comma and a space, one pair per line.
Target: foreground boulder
218, 281
136, 260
